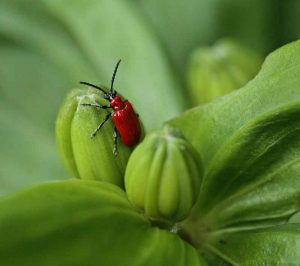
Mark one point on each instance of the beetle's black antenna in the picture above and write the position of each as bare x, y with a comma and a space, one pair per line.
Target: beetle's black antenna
92, 85
114, 75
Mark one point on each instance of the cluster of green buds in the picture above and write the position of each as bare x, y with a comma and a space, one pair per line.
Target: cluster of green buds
218, 70
163, 176
163, 173
85, 156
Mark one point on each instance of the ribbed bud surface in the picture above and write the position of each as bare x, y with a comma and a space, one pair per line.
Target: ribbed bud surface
163, 175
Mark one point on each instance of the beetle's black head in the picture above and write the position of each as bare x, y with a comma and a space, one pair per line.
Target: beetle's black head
110, 95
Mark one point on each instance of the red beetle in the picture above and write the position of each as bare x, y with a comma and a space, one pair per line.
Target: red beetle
126, 121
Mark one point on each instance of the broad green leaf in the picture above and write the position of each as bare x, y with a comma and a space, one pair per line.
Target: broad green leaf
83, 223
46, 48
250, 147
263, 163
279, 245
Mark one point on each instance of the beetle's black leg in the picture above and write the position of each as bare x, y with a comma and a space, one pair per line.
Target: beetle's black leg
102, 123
115, 150
98, 106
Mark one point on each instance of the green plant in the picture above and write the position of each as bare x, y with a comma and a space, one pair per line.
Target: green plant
47, 46
249, 145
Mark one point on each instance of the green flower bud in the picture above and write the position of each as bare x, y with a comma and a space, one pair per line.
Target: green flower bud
215, 71
84, 156
163, 176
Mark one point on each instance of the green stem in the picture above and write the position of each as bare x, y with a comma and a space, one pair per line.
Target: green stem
194, 231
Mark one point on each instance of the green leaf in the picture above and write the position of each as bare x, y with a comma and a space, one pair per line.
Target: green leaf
279, 245
250, 146
46, 48
83, 223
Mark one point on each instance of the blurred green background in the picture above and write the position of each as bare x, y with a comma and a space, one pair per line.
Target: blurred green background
48, 46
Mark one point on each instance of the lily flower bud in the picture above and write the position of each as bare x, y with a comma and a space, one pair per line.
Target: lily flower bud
218, 70
84, 155
163, 175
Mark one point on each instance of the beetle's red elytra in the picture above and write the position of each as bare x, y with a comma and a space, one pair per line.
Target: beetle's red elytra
126, 121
